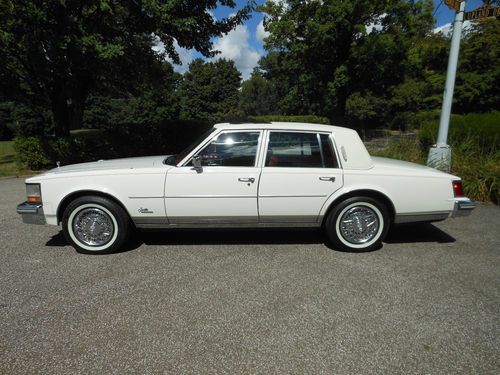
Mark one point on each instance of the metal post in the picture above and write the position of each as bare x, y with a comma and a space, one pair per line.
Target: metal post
440, 154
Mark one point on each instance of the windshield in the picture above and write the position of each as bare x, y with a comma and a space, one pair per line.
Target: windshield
191, 147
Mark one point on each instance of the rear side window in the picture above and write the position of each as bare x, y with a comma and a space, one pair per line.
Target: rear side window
299, 150
330, 160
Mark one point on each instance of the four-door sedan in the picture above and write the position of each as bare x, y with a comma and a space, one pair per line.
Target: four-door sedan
245, 175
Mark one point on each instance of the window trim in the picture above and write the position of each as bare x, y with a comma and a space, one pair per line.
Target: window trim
185, 162
318, 133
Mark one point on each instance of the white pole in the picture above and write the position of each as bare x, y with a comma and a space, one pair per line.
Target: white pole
440, 154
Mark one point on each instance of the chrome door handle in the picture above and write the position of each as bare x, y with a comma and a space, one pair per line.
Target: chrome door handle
332, 179
251, 179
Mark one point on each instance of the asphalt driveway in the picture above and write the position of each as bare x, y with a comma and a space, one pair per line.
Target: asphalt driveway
251, 302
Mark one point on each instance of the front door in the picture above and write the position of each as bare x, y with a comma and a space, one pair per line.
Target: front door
224, 191
300, 172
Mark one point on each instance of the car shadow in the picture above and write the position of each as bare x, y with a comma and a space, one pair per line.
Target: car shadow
399, 234
417, 232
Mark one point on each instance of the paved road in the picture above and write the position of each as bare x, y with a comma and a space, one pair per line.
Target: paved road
251, 302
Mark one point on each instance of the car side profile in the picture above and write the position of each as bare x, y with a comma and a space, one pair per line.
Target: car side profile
245, 175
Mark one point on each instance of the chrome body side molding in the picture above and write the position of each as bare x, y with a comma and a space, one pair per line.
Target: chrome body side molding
227, 222
420, 217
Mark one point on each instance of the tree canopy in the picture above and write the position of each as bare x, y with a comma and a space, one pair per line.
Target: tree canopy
54, 53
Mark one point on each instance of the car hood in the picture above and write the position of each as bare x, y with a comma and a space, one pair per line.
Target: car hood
109, 166
404, 167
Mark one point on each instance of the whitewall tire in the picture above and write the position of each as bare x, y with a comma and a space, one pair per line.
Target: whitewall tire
95, 225
358, 224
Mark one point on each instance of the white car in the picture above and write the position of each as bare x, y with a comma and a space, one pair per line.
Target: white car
245, 175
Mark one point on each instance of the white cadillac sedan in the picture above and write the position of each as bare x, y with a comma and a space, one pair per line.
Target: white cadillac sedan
245, 175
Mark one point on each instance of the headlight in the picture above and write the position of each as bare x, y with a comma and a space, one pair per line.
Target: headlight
34, 193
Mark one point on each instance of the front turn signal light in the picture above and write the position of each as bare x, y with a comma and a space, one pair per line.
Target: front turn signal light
34, 193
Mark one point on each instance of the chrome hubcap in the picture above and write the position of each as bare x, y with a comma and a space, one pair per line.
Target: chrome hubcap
93, 227
359, 225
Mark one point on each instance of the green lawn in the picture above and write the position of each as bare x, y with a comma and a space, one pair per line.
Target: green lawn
8, 166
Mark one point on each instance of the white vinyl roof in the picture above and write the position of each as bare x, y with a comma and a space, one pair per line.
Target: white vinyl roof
352, 151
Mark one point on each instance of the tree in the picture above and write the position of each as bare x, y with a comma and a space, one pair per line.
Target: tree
258, 95
328, 50
210, 91
478, 75
54, 53
151, 102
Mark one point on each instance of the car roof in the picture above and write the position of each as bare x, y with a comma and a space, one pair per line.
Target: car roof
282, 126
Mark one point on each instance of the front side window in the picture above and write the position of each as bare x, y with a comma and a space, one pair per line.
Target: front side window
231, 149
300, 150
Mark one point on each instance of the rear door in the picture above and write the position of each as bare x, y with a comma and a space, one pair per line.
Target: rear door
299, 173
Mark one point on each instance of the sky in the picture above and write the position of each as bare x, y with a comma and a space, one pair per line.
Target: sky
244, 45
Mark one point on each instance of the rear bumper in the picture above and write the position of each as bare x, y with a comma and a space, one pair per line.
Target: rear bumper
31, 213
463, 207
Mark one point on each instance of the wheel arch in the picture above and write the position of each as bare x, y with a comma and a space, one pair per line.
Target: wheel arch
82, 193
363, 193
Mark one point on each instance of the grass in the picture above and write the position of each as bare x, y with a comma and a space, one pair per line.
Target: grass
8, 165
478, 166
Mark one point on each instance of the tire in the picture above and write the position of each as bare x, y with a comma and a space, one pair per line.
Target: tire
358, 224
95, 225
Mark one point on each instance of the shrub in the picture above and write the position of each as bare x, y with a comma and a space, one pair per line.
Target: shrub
483, 129
31, 153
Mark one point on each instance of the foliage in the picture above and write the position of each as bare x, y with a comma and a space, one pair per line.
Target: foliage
31, 153
8, 164
258, 95
402, 148
322, 57
478, 76
6, 132
113, 141
55, 53
475, 142
209, 91
481, 129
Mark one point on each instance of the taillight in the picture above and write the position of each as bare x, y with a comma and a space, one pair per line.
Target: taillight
458, 190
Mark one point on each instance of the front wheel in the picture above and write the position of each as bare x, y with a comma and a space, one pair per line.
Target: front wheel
358, 224
95, 225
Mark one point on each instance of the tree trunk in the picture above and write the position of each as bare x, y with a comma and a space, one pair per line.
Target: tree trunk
67, 110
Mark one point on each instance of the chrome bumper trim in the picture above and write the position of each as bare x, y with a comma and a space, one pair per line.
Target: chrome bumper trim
463, 207
31, 213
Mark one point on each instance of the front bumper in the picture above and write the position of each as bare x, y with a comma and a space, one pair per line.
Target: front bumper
32, 213
463, 207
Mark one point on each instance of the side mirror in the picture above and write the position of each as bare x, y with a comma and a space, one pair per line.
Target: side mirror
197, 164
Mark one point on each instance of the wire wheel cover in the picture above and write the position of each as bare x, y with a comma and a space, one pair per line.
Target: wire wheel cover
93, 227
359, 225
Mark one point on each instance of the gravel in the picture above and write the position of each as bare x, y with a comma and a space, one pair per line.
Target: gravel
251, 302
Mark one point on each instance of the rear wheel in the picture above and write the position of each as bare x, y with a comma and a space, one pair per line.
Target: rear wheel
95, 225
358, 224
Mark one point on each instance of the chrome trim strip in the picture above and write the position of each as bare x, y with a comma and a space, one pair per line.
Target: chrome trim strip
227, 222
160, 197
211, 196
292, 196
149, 220
228, 225
289, 219
420, 216
213, 219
